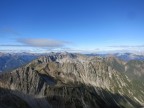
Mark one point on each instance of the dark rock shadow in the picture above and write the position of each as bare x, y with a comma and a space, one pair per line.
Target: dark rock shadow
66, 97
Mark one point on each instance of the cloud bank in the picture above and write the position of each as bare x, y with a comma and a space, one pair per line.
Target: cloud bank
128, 46
41, 42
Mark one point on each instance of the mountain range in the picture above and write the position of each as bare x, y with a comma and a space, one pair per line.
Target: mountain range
122, 56
11, 61
65, 80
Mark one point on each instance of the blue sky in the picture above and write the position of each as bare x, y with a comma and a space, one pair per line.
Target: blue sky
72, 25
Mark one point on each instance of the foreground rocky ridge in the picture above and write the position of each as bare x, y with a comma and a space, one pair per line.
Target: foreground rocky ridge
71, 81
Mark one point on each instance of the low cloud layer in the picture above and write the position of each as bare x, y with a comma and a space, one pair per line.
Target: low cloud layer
128, 46
14, 46
42, 42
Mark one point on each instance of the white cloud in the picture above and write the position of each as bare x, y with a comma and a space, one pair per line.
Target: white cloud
128, 46
41, 42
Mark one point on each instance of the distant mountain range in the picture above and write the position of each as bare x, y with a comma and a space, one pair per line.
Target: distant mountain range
122, 56
10, 61
65, 80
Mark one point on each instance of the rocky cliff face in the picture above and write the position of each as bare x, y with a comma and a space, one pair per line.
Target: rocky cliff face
70, 81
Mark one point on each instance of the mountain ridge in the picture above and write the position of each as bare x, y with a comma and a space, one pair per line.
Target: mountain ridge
52, 75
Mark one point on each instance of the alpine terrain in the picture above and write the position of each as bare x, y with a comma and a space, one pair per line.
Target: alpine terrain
10, 61
64, 80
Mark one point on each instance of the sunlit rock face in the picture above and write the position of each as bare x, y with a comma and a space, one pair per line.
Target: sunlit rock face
63, 80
